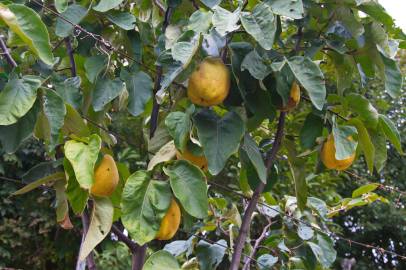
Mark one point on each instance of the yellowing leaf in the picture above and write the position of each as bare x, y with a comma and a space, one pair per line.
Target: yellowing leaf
100, 225
27, 24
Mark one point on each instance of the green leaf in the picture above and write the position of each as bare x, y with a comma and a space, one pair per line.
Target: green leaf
298, 170
379, 141
124, 20
311, 130
61, 5
266, 262
28, 26
94, 65
305, 232
251, 150
101, 220
393, 77
324, 250
220, 137
209, 255
12, 136
83, 157
106, 5
255, 64
17, 98
183, 51
211, 3
139, 87
309, 75
55, 111
69, 91
225, 21
366, 112
365, 142
344, 147
161, 260
75, 14
200, 21
376, 11
292, 9
189, 186
105, 91
77, 196
74, 123
364, 189
346, 16
261, 24
61, 202
144, 204
39, 182
179, 125
391, 132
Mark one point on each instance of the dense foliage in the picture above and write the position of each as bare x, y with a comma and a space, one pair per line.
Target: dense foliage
241, 151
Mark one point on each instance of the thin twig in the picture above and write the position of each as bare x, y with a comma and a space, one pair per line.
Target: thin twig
256, 245
7, 54
244, 229
158, 78
71, 56
299, 221
125, 239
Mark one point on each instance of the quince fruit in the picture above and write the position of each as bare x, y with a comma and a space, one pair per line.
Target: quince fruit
328, 152
105, 177
209, 84
294, 98
170, 223
199, 161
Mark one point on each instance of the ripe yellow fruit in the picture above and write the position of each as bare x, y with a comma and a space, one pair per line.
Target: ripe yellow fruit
199, 161
328, 152
294, 98
170, 223
105, 177
209, 84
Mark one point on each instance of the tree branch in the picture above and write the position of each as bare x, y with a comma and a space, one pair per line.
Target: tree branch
71, 56
256, 246
138, 252
244, 229
155, 107
125, 239
7, 54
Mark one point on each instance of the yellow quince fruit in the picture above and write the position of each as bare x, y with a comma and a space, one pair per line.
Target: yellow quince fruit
328, 152
209, 84
170, 223
294, 98
105, 177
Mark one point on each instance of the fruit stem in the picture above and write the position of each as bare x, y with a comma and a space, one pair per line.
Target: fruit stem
244, 229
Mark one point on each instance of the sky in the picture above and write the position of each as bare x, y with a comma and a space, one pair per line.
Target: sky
397, 9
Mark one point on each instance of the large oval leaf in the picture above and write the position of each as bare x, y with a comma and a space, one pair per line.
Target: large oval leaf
13, 135
75, 14
106, 5
311, 78
83, 157
27, 24
161, 260
189, 186
139, 86
144, 203
106, 90
17, 98
261, 24
220, 137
